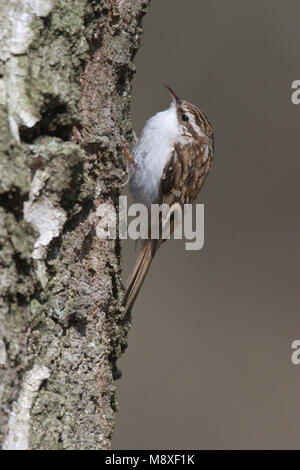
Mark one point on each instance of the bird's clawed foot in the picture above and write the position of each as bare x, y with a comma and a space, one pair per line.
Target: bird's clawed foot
129, 159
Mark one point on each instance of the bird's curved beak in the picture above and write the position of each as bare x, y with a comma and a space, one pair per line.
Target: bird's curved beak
173, 94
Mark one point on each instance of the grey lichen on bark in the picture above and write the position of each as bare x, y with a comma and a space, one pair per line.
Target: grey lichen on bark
65, 84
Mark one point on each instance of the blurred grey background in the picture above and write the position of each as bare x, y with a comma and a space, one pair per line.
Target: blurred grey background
209, 359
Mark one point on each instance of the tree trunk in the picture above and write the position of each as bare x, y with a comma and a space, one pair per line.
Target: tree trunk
65, 84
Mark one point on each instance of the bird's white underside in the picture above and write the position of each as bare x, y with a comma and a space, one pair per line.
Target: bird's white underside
153, 150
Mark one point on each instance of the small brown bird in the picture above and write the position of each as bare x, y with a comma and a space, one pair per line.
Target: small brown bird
173, 156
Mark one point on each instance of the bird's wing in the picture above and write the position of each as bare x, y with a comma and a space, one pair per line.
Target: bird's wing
184, 173
183, 177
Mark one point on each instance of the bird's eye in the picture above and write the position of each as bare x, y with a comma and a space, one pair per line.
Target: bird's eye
184, 117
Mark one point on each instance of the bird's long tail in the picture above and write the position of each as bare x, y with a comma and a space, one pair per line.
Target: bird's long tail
138, 275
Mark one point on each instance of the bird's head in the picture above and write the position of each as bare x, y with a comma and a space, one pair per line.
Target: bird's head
191, 121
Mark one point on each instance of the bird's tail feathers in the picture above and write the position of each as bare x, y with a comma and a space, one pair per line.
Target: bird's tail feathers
138, 275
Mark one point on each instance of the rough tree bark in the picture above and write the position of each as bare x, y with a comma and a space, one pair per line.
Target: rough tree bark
65, 83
